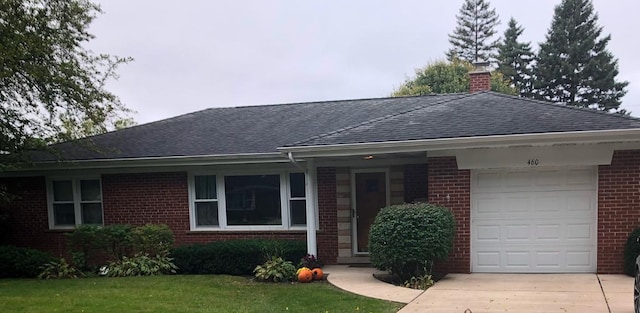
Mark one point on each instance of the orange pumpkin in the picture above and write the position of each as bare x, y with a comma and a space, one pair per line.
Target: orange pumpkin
317, 273
305, 276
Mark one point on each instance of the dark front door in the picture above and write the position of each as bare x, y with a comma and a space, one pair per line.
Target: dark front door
371, 196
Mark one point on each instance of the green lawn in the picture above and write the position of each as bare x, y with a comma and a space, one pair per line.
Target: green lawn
214, 293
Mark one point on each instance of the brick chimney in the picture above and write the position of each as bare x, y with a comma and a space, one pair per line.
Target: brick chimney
480, 77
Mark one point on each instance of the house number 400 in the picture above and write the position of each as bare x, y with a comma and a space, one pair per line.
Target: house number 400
533, 162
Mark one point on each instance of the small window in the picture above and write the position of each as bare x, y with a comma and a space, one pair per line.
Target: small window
297, 199
75, 202
206, 200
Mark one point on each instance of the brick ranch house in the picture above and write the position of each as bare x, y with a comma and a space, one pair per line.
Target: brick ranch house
534, 186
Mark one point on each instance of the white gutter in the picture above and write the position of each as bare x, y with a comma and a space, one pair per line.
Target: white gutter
599, 136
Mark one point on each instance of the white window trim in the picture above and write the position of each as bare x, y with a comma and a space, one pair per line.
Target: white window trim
285, 210
77, 199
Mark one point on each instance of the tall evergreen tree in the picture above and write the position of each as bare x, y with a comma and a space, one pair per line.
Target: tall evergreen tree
574, 66
514, 59
472, 40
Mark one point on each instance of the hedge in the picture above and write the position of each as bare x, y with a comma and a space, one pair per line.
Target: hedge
234, 257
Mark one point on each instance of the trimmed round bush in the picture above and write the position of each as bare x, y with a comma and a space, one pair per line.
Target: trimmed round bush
405, 238
631, 251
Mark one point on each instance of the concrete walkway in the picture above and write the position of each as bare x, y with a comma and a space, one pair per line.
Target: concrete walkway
497, 292
360, 280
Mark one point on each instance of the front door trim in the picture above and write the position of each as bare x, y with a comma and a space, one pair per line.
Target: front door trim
354, 209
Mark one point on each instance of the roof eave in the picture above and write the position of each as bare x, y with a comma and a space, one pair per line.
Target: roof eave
168, 161
552, 138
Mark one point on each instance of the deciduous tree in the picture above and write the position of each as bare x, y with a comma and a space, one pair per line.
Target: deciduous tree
49, 80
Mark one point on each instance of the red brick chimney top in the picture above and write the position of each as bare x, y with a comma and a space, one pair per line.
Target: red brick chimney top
480, 77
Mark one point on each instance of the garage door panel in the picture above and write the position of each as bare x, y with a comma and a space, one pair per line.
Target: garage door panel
536, 259
534, 220
533, 231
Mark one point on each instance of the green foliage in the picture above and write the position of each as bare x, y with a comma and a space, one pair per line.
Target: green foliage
59, 269
447, 77
631, 251
152, 239
574, 66
472, 39
82, 242
117, 239
87, 242
49, 80
275, 270
141, 265
21, 262
234, 257
515, 58
405, 239
423, 281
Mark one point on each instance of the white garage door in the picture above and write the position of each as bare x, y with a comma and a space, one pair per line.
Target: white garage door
534, 220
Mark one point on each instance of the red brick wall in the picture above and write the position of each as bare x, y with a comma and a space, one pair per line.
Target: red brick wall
327, 235
480, 81
134, 199
143, 198
139, 199
445, 179
27, 223
618, 208
415, 182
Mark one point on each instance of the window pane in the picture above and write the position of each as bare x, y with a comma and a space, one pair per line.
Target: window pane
297, 185
207, 213
298, 212
205, 187
90, 190
253, 200
62, 190
91, 213
63, 214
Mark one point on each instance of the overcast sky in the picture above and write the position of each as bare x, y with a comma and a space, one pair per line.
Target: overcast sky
192, 55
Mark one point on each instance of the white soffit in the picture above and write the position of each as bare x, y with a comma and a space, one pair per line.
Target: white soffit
519, 157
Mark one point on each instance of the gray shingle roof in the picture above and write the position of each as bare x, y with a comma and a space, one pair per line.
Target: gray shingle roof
479, 114
261, 129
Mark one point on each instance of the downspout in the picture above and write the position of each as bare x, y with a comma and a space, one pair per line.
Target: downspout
290, 156
310, 192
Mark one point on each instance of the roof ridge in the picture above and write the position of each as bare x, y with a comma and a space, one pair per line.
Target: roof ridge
420, 107
569, 107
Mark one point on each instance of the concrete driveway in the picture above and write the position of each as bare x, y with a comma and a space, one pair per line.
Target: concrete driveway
527, 293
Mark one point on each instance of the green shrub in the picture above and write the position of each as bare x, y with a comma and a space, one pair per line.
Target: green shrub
22, 262
59, 269
275, 270
234, 257
141, 265
116, 239
82, 242
152, 239
405, 239
631, 251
